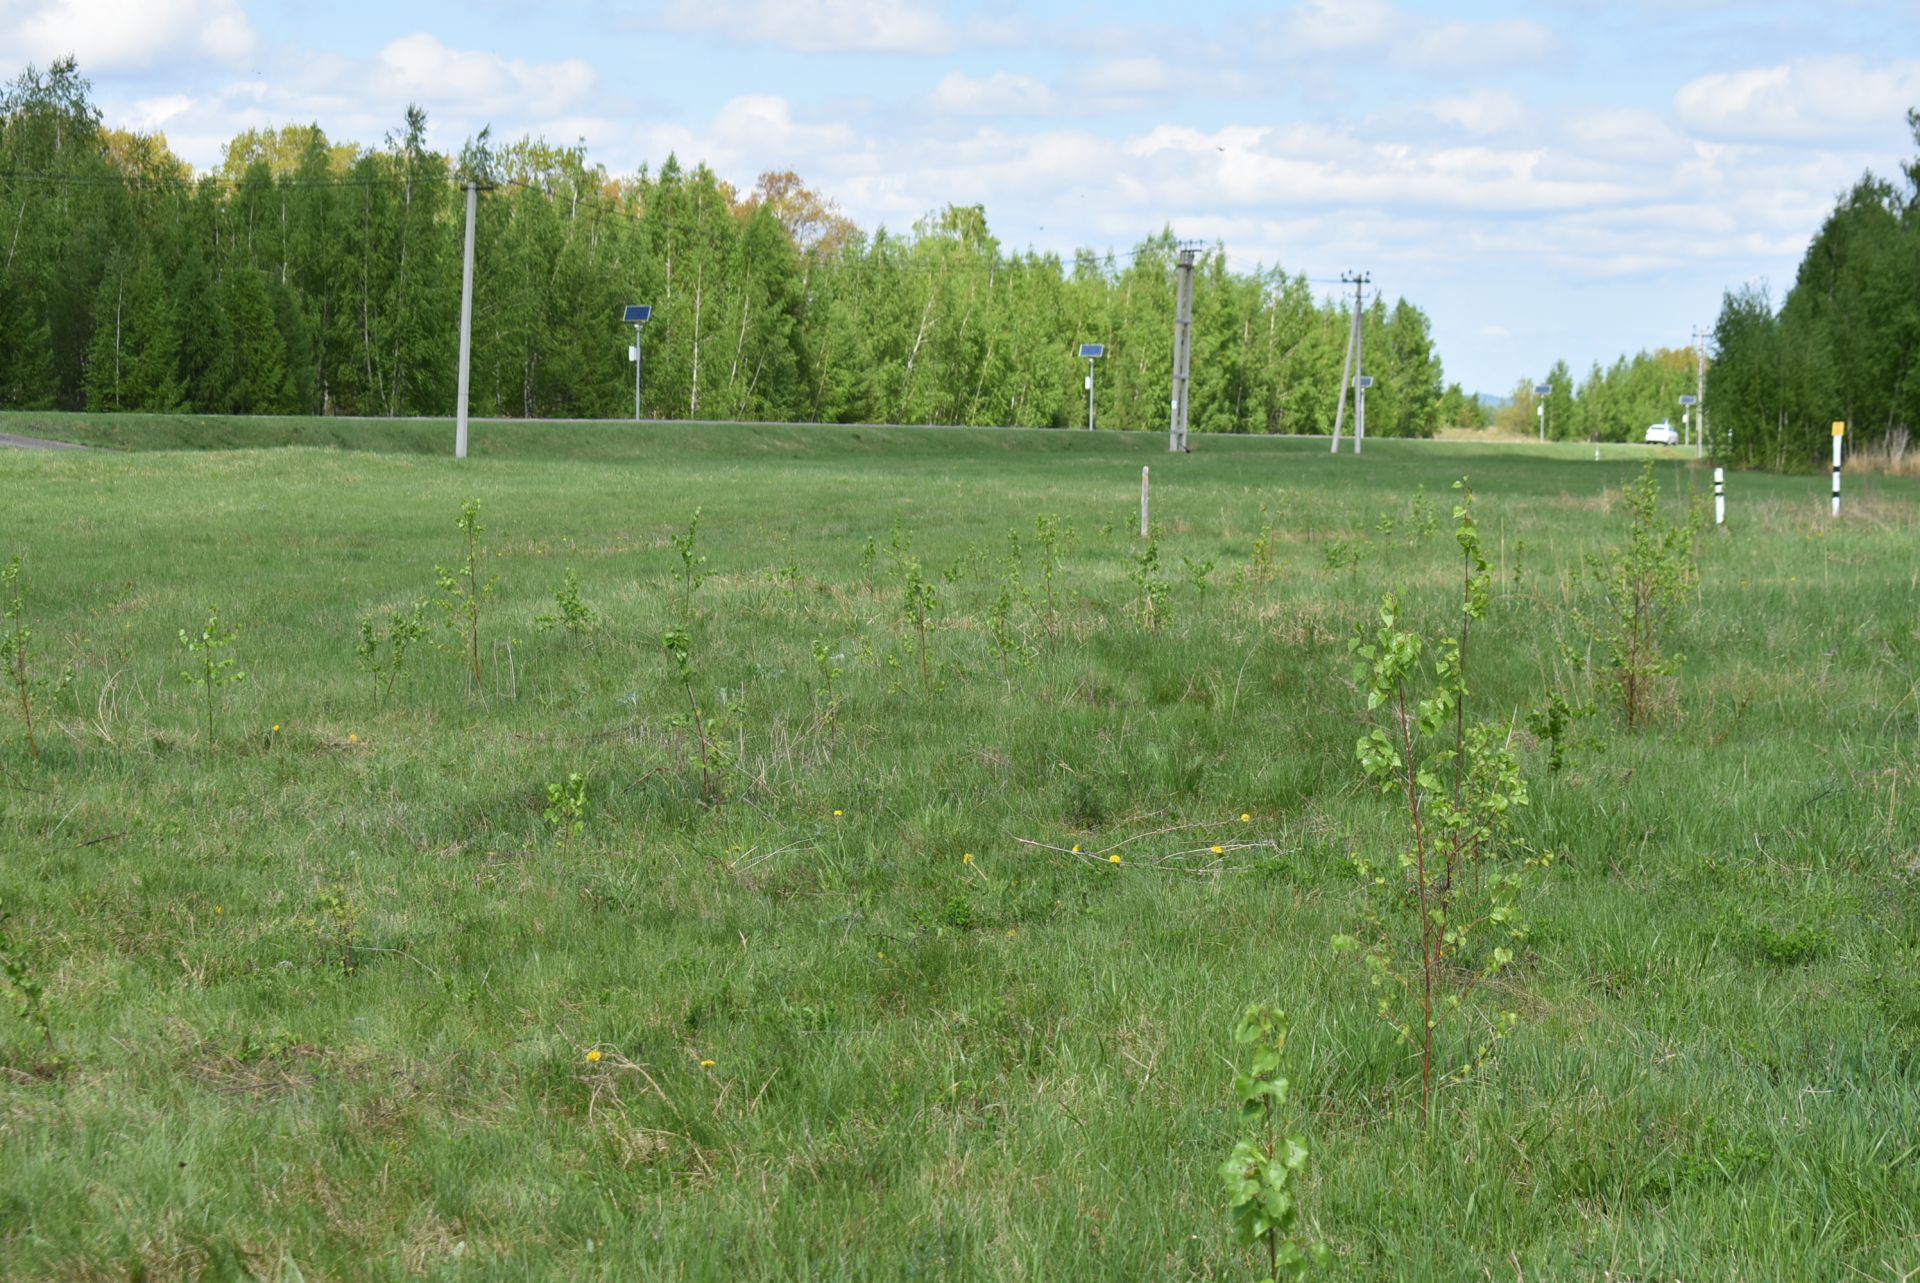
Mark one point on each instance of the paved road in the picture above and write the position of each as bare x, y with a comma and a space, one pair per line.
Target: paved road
9, 441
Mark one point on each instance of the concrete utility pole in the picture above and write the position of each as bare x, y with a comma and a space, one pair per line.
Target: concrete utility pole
1357, 280
466, 324
1360, 380
1182, 352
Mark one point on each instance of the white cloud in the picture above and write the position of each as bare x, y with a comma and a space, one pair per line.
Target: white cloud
1484, 111
150, 115
420, 68
1381, 29
816, 26
1244, 166
1807, 98
749, 135
361, 100
1124, 76
106, 35
1475, 45
1001, 94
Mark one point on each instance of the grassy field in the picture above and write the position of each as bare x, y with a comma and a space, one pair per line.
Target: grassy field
337, 1001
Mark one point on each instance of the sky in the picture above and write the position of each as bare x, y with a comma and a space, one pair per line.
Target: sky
1567, 179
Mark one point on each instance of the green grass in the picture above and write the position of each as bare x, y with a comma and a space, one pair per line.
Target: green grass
921, 1069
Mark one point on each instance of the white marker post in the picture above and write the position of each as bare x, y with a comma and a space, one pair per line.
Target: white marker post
1839, 435
1720, 498
1143, 503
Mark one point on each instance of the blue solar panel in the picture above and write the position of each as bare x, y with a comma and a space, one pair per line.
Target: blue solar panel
1093, 349
1543, 389
1364, 381
638, 313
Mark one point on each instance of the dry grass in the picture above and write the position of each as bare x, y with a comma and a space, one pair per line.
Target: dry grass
1891, 456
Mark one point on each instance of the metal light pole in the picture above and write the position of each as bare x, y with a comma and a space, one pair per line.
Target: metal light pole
1092, 351
637, 315
1542, 391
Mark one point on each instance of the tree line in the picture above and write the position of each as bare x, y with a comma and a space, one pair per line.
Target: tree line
1843, 346
1617, 402
313, 277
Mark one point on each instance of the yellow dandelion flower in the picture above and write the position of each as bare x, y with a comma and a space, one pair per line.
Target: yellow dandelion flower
1218, 850
838, 814
706, 1064
593, 1057
967, 858
1245, 818
353, 739
218, 910
276, 727
1076, 848
1114, 858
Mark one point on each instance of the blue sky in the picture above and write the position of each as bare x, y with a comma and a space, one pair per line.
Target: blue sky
1564, 179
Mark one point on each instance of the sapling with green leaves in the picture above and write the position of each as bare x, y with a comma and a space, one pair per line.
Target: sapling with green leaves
1639, 588
1262, 1173
1046, 537
1263, 549
693, 566
211, 668
1451, 896
1199, 572
1006, 640
1552, 723
571, 612
29, 995
336, 923
382, 652
1422, 520
16, 645
1346, 554
463, 592
1148, 583
918, 603
827, 664
708, 733
566, 811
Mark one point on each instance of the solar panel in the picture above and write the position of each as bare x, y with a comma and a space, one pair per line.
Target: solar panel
1091, 350
1364, 381
637, 313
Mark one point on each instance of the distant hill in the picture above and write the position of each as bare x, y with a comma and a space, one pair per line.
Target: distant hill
1491, 401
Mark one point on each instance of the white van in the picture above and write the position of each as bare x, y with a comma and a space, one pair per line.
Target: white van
1662, 434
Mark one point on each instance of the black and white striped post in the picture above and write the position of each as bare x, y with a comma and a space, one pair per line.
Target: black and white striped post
1720, 498
1839, 434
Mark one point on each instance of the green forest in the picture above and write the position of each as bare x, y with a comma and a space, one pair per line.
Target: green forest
308, 276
